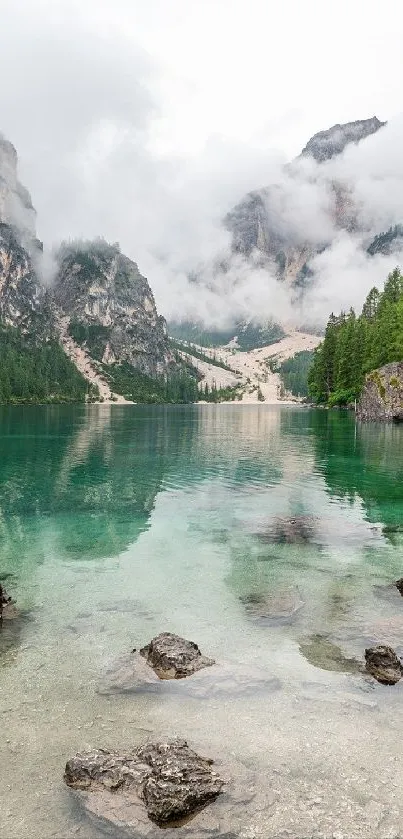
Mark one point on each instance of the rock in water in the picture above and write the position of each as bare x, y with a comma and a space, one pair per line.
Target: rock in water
172, 657
278, 606
286, 530
6, 604
399, 585
171, 779
383, 664
382, 395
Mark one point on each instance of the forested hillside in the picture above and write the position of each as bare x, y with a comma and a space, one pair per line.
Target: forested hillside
37, 372
294, 372
353, 346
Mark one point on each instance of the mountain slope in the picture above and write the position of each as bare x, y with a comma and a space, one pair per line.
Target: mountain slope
265, 222
111, 307
99, 314
327, 144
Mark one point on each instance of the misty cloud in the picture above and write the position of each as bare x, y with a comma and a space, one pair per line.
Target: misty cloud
85, 103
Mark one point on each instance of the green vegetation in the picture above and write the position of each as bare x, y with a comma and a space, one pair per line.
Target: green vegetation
179, 387
189, 349
294, 372
353, 346
87, 251
38, 372
93, 335
250, 336
220, 394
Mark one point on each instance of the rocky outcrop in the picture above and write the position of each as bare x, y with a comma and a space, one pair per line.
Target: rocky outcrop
383, 664
104, 295
382, 395
169, 778
16, 207
5, 599
23, 300
172, 657
327, 144
7, 607
260, 223
96, 287
387, 242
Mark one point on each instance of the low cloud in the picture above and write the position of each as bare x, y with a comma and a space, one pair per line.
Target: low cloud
84, 106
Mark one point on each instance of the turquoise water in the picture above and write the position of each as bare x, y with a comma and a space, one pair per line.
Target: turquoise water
269, 535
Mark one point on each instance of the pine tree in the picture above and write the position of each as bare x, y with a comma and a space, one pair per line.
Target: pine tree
353, 346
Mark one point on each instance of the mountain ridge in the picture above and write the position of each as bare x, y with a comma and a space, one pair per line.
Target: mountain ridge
96, 289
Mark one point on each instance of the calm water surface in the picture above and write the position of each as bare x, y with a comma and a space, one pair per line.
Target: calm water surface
267, 535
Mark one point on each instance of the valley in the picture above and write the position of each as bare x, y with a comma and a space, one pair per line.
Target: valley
250, 371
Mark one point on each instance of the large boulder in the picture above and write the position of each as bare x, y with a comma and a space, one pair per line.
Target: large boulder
169, 778
382, 396
383, 664
172, 657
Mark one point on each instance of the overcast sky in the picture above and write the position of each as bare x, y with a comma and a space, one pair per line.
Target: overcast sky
144, 120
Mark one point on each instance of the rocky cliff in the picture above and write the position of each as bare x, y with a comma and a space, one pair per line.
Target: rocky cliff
111, 306
23, 301
22, 297
260, 223
98, 297
16, 206
382, 395
326, 144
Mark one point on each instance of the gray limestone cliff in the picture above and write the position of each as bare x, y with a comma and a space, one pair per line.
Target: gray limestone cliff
327, 144
382, 396
23, 300
96, 287
258, 223
22, 297
104, 295
16, 206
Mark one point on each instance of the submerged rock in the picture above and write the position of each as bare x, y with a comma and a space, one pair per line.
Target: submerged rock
383, 664
172, 657
388, 592
321, 652
7, 608
294, 530
169, 778
274, 607
130, 674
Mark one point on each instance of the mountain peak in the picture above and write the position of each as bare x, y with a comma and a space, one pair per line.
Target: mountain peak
15, 201
327, 144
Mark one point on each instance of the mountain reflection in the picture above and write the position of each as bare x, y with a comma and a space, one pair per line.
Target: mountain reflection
298, 508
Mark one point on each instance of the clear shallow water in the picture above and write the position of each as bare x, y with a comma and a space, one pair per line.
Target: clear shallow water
117, 523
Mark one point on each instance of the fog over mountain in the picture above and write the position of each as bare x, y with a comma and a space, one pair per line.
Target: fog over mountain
111, 143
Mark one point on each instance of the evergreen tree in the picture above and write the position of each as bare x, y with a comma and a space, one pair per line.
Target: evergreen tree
353, 346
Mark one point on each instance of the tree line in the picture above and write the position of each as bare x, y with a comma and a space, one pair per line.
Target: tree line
37, 373
353, 346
